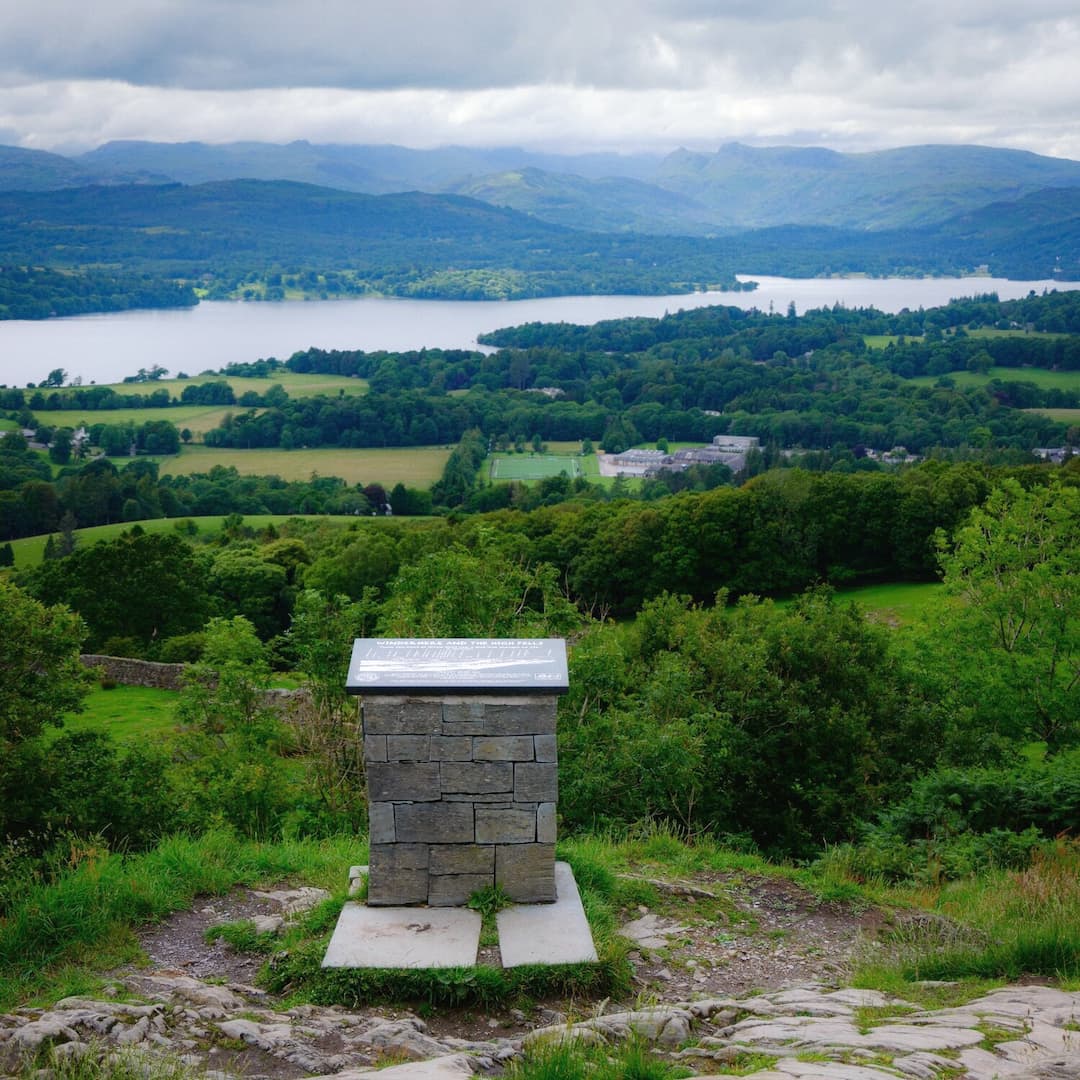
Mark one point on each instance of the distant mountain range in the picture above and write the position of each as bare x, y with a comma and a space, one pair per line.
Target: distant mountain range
442, 223
737, 187
408, 243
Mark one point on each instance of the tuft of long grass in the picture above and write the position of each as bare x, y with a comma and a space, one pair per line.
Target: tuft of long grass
569, 1060
999, 925
97, 1062
662, 847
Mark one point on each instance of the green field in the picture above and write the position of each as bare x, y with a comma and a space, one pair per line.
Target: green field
199, 419
1042, 377
125, 713
297, 386
879, 341
895, 604
30, 550
531, 466
1066, 416
415, 466
990, 332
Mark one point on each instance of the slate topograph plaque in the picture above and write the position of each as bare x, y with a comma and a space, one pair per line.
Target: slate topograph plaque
464, 665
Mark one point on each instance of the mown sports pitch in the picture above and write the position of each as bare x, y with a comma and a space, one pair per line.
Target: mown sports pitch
532, 466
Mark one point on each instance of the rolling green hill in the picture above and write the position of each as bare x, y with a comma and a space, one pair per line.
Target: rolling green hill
37, 170
405, 244
611, 204
886, 189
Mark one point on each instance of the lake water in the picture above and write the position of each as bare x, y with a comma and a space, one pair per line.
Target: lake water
106, 348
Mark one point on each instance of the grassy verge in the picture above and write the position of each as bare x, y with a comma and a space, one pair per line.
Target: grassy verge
632, 1060
125, 1063
974, 933
1025, 923
979, 931
982, 930
62, 932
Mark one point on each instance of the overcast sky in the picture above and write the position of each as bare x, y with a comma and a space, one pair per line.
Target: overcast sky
557, 74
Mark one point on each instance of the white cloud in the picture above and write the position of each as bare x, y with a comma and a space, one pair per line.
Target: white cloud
568, 74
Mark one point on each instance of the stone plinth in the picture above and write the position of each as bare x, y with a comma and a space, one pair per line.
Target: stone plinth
461, 795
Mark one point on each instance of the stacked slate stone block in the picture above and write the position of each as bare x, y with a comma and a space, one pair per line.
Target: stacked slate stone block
461, 795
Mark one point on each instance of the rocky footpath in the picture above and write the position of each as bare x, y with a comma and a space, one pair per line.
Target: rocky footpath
808, 1031
195, 1004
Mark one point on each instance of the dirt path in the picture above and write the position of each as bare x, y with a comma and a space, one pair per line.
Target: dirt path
707, 936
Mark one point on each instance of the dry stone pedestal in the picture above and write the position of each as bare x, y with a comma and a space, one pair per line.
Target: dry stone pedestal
459, 746
462, 792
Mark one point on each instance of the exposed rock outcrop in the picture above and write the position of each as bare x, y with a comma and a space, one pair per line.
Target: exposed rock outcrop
811, 1031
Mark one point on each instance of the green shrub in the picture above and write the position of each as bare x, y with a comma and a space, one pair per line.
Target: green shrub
123, 646
948, 801
83, 784
182, 649
934, 860
957, 822
786, 726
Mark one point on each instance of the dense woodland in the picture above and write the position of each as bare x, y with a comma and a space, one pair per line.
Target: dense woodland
34, 292
780, 727
280, 236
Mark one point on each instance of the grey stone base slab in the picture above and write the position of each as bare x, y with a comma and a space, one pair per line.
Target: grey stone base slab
432, 937
547, 933
373, 937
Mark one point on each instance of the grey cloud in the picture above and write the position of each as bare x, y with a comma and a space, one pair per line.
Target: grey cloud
628, 73
471, 44
232, 44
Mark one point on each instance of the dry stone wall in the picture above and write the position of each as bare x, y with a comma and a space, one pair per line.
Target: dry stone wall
126, 671
461, 795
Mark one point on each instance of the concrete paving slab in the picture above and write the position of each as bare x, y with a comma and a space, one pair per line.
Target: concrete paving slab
404, 937
448, 1067
547, 933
